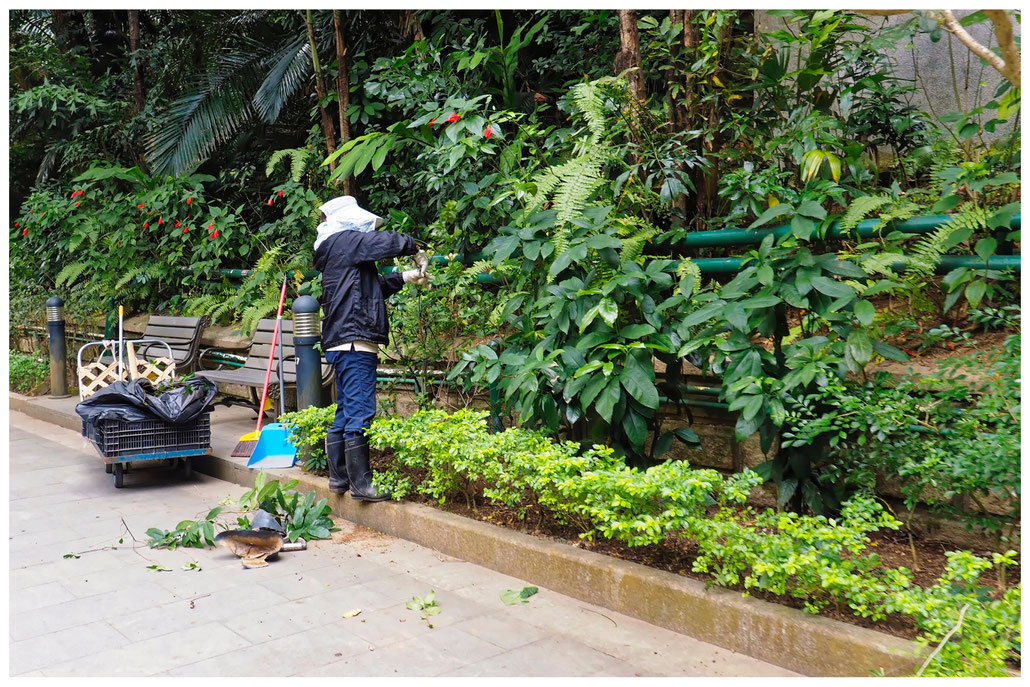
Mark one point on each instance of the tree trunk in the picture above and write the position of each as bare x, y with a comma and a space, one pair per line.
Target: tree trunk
412, 26
681, 115
137, 92
708, 191
689, 41
628, 56
327, 121
342, 87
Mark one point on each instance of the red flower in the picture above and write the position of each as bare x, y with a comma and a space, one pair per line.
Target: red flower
185, 229
25, 231
269, 201
209, 226
487, 132
189, 200
176, 224
140, 207
76, 203
16, 224
280, 193
146, 224
215, 235
160, 220
74, 193
454, 117
432, 121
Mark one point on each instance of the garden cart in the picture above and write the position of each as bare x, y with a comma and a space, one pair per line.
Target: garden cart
128, 425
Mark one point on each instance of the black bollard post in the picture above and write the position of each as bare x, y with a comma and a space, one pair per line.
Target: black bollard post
307, 331
58, 348
495, 397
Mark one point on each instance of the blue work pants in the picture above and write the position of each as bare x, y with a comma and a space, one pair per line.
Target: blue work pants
355, 391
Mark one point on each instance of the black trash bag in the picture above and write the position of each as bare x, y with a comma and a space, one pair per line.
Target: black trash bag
184, 402
117, 401
136, 400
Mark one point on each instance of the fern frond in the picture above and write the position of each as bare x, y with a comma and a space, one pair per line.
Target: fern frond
254, 313
129, 276
298, 161
928, 250
899, 211
883, 263
689, 268
861, 208
70, 273
635, 233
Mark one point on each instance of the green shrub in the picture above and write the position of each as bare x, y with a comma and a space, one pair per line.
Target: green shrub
307, 431
821, 560
28, 371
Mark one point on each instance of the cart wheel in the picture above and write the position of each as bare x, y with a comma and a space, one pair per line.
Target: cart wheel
118, 475
108, 468
187, 468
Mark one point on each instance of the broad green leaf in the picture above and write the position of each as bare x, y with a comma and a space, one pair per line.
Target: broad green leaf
639, 383
802, 227
985, 248
812, 209
865, 312
774, 211
687, 436
607, 399
609, 310
860, 347
975, 292
636, 331
736, 316
703, 314
635, 428
833, 289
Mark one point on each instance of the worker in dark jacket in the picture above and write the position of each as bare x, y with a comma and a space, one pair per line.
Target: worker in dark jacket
354, 325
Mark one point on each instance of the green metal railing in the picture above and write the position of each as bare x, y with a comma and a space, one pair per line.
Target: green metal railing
736, 237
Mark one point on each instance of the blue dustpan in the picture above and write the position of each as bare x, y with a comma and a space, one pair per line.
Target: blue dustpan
273, 450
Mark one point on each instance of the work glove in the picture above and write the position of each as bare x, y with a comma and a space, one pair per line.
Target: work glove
422, 260
416, 277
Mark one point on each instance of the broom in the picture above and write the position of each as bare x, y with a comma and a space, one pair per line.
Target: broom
248, 442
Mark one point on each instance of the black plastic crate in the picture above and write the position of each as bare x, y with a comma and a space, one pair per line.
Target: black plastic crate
115, 438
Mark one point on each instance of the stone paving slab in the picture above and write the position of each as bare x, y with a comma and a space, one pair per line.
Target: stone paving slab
105, 613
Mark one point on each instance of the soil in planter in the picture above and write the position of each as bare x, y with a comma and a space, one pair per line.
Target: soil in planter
677, 554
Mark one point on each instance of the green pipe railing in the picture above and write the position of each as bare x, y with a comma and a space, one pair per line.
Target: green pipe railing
866, 228
947, 263
735, 236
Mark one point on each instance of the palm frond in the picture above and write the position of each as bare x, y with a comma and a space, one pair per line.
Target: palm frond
290, 68
198, 122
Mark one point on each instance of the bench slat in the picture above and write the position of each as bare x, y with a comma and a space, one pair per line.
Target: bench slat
169, 321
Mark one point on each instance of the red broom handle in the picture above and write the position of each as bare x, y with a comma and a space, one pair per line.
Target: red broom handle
268, 372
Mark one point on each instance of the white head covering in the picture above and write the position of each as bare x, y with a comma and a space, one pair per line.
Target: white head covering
344, 214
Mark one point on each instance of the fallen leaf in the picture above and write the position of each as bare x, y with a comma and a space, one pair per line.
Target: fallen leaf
351, 613
511, 597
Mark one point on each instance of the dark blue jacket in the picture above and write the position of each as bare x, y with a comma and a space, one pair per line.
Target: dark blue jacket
353, 292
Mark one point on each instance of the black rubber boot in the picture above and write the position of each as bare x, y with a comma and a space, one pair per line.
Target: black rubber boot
359, 472
339, 483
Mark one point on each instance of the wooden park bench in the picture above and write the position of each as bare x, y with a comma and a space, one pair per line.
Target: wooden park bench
181, 333
252, 374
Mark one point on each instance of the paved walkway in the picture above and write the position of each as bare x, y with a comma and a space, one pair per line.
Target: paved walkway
104, 612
